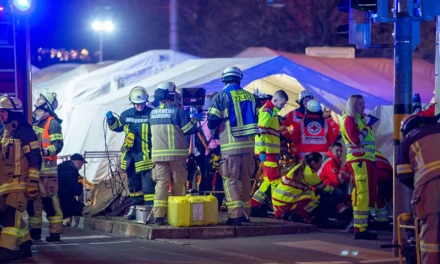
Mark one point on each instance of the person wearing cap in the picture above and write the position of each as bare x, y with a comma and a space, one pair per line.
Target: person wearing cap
312, 133
136, 150
233, 117
47, 126
69, 185
170, 126
20, 164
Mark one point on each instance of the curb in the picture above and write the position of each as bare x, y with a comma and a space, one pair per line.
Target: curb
257, 228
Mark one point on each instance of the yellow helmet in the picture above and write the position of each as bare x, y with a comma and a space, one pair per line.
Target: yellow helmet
12, 104
51, 99
138, 95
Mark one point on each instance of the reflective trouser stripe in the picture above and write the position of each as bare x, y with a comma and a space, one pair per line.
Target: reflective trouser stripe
382, 215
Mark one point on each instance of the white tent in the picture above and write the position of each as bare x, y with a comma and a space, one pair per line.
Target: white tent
83, 131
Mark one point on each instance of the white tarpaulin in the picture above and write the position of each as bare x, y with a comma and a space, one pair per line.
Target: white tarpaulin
83, 131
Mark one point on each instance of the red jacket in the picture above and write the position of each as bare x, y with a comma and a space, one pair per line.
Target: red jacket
312, 134
428, 112
334, 126
331, 173
292, 118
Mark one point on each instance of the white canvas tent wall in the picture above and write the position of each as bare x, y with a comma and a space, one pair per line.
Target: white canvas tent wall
84, 128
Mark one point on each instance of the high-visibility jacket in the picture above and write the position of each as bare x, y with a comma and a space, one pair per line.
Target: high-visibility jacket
290, 190
331, 172
312, 134
20, 160
418, 161
235, 108
268, 141
170, 126
136, 122
49, 132
358, 138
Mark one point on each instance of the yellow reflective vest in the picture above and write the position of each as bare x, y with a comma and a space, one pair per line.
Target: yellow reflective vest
358, 138
268, 141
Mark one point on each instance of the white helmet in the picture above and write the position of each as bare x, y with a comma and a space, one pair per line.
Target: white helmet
51, 99
232, 74
170, 86
313, 106
138, 95
304, 94
12, 104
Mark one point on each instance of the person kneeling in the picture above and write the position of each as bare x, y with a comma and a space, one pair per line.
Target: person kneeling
297, 196
69, 187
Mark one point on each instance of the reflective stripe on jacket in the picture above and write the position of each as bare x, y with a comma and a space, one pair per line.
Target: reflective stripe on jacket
268, 141
136, 122
20, 160
358, 138
170, 128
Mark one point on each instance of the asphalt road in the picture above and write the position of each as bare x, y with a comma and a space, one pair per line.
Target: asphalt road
325, 247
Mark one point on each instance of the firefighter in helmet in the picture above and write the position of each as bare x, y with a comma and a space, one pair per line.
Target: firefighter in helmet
136, 150
418, 167
47, 126
20, 164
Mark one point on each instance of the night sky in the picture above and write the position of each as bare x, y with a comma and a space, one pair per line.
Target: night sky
67, 24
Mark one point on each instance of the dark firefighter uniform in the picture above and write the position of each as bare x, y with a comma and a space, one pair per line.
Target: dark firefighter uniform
233, 113
48, 130
418, 167
170, 126
136, 160
20, 165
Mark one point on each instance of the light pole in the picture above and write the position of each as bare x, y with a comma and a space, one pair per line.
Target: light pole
102, 27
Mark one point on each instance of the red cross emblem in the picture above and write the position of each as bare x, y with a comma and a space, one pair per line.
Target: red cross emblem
314, 128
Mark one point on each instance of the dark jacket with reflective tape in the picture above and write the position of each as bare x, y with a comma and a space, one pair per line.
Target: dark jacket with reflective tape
20, 159
418, 161
170, 126
137, 122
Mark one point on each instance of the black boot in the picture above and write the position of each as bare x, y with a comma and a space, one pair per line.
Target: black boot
365, 235
245, 219
255, 212
234, 221
6, 255
53, 237
35, 234
296, 218
24, 251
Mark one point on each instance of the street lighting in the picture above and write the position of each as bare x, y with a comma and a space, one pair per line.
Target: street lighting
101, 27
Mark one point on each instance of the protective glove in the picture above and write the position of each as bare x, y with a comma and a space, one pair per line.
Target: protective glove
44, 152
199, 116
32, 191
128, 142
262, 157
109, 115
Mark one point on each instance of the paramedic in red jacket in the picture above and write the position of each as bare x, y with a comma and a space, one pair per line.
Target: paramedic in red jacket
295, 116
331, 172
312, 134
327, 114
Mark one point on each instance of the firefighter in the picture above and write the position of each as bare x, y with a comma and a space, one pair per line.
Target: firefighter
136, 150
357, 134
47, 126
297, 196
417, 106
418, 167
267, 146
170, 126
295, 116
233, 115
384, 189
312, 133
20, 165
327, 114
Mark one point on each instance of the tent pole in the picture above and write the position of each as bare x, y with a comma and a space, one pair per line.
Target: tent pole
174, 17
402, 101
437, 67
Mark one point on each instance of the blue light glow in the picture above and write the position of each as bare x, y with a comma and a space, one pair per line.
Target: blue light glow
22, 5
